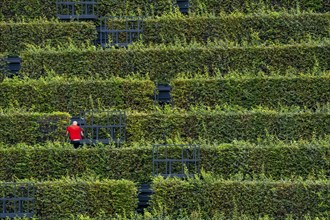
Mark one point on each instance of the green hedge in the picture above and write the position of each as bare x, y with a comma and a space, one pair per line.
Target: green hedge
165, 62
280, 27
13, 9
15, 36
59, 94
217, 6
212, 125
273, 91
275, 160
226, 126
32, 127
236, 198
64, 198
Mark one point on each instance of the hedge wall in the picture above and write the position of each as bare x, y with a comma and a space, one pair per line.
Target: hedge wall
165, 62
281, 27
227, 126
217, 6
64, 198
75, 95
15, 36
273, 91
235, 198
32, 127
212, 125
13, 9
276, 160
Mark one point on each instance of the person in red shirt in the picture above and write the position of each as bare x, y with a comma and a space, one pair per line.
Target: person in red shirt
76, 134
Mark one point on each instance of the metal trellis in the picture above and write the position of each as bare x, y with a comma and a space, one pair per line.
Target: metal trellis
84, 10
17, 200
176, 160
120, 31
110, 129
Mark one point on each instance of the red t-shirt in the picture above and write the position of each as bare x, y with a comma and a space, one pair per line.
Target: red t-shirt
75, 132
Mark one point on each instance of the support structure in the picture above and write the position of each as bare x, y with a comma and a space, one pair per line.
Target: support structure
162, 94
83, 10
17, 200
103, 126
176, 160
120, 31
47, 128
183, 6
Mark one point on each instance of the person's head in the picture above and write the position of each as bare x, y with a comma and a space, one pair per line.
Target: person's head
74, 123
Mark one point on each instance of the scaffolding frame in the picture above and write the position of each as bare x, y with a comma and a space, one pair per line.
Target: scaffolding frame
190, 158
67, 10
114, 127
17, 200
110, 35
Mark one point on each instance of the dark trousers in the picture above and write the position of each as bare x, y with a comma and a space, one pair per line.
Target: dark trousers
76, 144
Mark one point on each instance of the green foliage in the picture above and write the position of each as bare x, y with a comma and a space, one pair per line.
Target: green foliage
267, 91
18, 127
252, 6
275, 160
238, 198
227, 125
75, 95
63, 198
213, 125
3, 67
14, 9
274, 27
165, 62
16, 35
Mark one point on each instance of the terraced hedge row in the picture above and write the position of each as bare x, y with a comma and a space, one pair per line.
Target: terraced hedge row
213, 125
58, 94
280, 27
12, 9
15, 36
276, 160
63, 198
271, 91
32, 127
217, 6
236, 198
164, 62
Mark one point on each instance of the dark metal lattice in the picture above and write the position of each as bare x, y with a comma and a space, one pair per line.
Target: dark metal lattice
178, 161
67, 10
120, 31
103, 126
17, 200
183, 6
47, 128
162, 94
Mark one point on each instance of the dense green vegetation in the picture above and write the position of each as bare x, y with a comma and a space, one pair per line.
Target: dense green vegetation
13, 9
222, 125
250, 85
253, 198
15, 36
60, 199
75, 95
163, 63
307, 91
276, 160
